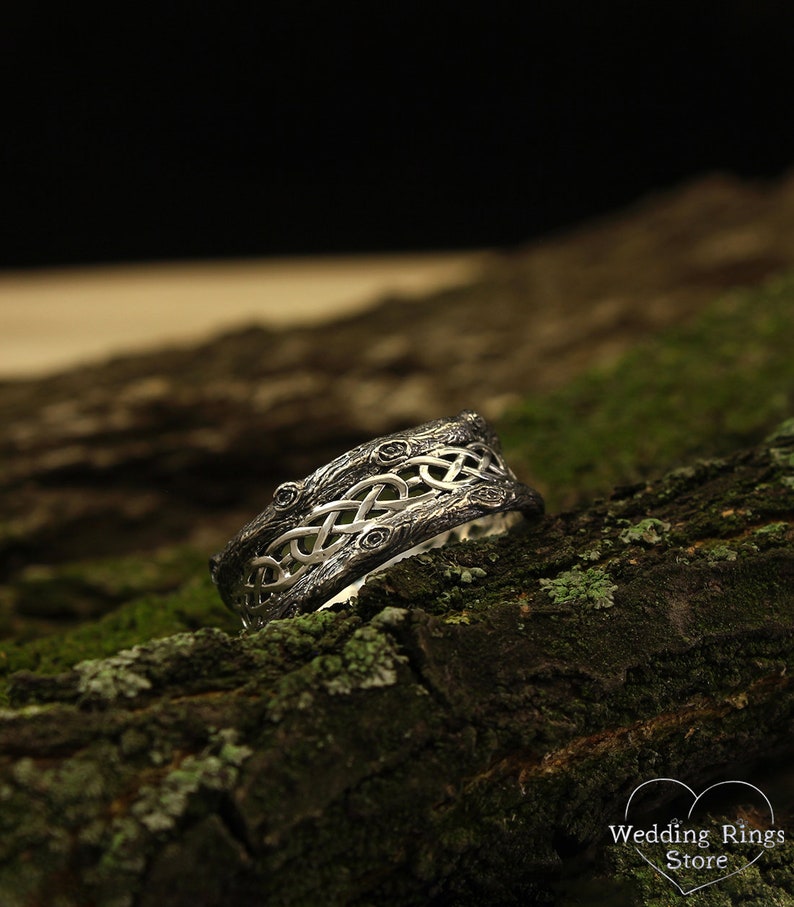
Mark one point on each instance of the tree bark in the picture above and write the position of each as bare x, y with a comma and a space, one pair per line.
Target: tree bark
461, 733
148, 449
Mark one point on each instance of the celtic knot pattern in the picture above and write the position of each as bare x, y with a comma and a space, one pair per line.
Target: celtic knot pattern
364, 512
381, 501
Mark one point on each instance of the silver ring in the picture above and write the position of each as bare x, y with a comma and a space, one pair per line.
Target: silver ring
385, 500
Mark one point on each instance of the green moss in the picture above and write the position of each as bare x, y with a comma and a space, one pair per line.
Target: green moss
465, 575
772, 532
783, 433
595, 553
460, 618
45, 593
367, 659
648, 532
700, 390
284, 644
769, 536
193, 605
74, 791
721, 552
112, 678
124, 675
591, 588
158, 807
755, 886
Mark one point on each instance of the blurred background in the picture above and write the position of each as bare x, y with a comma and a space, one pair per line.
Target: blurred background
393, 143
239, 240
313, 128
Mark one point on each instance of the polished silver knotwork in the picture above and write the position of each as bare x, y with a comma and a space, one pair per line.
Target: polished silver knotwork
365, 510
373, 503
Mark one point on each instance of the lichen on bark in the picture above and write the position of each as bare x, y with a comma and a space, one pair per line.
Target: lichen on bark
464, 730
454, 733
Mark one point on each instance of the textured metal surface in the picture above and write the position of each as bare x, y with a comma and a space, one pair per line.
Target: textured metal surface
361, 511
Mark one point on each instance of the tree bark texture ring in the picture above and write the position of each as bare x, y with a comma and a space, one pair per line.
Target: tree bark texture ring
441, 481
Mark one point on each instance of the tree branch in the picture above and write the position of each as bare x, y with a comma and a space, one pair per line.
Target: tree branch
476, 718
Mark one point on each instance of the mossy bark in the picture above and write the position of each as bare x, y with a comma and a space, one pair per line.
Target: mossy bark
186, 444
463, 732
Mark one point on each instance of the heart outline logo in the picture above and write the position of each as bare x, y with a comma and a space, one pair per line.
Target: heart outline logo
695, 799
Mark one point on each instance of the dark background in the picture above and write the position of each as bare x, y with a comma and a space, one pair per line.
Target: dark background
182, 130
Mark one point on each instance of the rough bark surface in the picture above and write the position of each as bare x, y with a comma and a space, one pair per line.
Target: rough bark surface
461, 734
188, 443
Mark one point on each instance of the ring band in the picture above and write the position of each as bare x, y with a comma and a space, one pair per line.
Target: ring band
376, 504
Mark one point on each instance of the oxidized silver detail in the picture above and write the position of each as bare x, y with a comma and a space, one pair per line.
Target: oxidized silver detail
286, 496
352, 516
392, 451
489, 495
